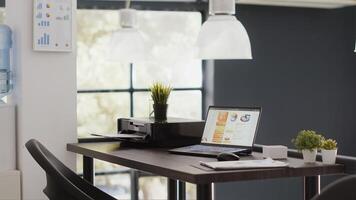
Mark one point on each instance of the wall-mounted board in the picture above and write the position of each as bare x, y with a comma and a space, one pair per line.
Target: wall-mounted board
52, 25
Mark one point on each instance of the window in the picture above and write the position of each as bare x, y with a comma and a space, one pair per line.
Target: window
107, 91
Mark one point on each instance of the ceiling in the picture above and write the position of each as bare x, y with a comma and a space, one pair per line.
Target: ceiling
329, 4
326, 4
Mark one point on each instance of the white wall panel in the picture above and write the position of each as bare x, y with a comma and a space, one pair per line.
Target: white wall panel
10, 185
45, 94
8, 137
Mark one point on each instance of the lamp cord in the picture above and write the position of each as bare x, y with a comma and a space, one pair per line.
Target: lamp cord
128, 3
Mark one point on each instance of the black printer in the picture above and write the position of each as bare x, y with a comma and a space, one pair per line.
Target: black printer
173, 132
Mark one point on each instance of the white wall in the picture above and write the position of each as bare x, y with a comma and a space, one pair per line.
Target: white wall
45, 95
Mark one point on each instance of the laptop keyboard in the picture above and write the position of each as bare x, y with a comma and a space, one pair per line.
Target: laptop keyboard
214, 149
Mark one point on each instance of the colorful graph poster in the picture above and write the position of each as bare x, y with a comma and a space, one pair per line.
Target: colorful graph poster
52, 25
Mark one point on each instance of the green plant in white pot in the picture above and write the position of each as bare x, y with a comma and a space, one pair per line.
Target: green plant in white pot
329, 151
308, 142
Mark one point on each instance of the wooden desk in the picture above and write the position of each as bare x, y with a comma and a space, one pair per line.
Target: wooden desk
187, 169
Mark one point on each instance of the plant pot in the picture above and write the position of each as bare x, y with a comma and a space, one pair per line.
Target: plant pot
309, 156
160, 111
329, 156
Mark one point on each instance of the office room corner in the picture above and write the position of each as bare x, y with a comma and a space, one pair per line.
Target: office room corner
177, 99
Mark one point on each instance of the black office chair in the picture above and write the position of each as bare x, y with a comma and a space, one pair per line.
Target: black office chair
344, 188
62, 183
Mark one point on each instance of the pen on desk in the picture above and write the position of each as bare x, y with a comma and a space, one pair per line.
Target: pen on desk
97, 135
203, 164
105, 136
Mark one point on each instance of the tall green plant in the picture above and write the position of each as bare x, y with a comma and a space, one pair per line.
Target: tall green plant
307, 140
160, 93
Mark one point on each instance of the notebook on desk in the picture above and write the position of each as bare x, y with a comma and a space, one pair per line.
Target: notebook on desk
227, 129
245, 164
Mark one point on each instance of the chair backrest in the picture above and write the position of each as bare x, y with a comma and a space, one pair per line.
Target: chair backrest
344, 188
62, 183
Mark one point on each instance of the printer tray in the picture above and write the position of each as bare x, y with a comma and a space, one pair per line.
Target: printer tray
137, 139
123, 136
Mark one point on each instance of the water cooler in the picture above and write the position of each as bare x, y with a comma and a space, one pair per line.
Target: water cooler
9, 176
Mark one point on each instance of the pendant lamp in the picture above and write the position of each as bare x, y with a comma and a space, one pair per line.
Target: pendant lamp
127, 43
222, 36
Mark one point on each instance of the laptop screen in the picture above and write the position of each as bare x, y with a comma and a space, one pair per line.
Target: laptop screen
231, 126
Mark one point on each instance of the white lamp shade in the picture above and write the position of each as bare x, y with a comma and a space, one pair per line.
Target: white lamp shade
223, 37
127, 45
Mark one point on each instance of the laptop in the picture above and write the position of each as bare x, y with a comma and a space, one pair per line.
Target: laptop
227, 129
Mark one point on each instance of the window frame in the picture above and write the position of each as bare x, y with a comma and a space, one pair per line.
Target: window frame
198, 6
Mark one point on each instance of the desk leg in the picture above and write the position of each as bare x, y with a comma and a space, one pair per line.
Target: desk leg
172, 189
181, 190
88, 169
204, 192
134, 176
311, 186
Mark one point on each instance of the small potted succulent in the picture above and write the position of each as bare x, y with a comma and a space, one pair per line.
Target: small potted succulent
329, 151
308, 142
160, 94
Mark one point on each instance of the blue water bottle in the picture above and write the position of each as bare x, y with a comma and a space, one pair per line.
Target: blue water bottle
5, 72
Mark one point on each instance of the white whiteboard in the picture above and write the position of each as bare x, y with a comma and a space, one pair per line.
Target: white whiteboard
52, 25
